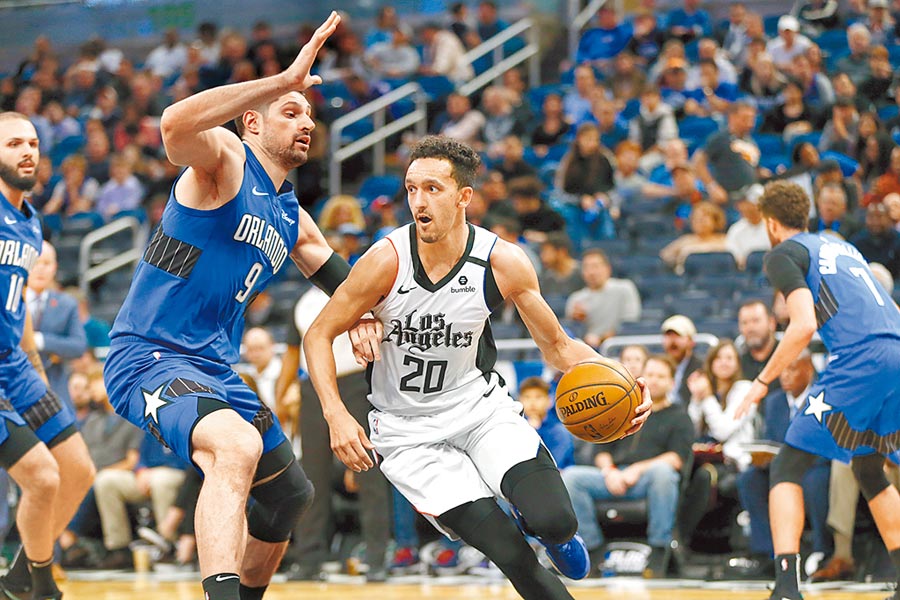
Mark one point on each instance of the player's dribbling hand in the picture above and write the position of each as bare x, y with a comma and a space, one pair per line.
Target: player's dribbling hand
365, 337
642, 412
349, 442
298, 73
756, 393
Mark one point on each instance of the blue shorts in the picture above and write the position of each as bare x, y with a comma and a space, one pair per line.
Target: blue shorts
853, 409
166, 392
41, 409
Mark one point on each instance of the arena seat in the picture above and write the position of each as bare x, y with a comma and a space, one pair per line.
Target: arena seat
379, 185
660, 287
754, 263
709, 263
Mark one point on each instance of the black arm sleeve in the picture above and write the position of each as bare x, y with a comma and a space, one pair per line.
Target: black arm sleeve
786, 266
331, 274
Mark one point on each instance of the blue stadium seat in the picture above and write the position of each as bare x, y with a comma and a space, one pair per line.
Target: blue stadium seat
812, 137
357, 130
650, 225
437, 87
774, 162
556, 152
65, 148
639, 328
754, 263
650, 246
379, 185
557, 302
506, 331
537, 94
769, 143
770, 25
725, 327
660, 287
697, 129
618, 247
894, 55
709, 263
833, 41
888, 112
631, 110
694, 305
334, 89
639, 266
82, 222
848, 165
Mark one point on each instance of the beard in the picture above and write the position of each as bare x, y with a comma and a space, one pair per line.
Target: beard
288, 158
11, 177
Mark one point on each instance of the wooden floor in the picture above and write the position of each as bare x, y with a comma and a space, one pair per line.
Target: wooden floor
149, 588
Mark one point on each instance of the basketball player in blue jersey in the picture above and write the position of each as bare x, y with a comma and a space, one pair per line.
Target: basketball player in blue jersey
40, 446
852, 413
229, 226
448, 434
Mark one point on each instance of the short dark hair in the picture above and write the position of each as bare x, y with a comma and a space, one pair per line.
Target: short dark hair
787, 203
534, 383
595, 252
558, 240
754, 302
525, 186
666, 360
239, 120
464, 161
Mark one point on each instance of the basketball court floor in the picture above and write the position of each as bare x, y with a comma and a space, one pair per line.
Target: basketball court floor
185, 586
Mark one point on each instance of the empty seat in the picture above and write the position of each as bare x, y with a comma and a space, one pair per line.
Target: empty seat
754, 264
639, 266
379, 185
709, 263
660, 287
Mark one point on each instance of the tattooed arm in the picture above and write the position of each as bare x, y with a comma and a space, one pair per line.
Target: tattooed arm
29, 346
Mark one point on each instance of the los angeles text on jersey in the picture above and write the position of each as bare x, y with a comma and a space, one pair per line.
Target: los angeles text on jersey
426, 331
256, 232
18, 254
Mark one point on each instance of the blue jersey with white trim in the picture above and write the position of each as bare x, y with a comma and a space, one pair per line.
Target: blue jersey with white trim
20, 246
851, 306
202, 268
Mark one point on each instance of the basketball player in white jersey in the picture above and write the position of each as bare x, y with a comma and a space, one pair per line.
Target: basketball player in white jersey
444, 427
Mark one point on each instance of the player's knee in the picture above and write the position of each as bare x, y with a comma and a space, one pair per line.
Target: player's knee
789, 466
557, 525
239, 451
43, 482
279, 504
869, 472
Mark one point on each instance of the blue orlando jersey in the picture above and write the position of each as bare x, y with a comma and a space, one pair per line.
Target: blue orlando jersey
20, 245
202, 268
851, 307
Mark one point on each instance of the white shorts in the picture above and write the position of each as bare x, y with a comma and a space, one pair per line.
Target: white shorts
466, 464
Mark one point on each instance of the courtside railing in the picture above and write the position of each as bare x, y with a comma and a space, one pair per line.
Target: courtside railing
88, 273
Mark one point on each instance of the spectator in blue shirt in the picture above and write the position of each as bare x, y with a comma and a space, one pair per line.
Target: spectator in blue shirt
385, 24
601, 44
577, 103
489, 24
534, 394
689, 22
713, 97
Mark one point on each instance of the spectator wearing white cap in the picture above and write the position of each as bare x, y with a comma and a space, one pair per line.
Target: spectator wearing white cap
678, 342
748, 234
789, 43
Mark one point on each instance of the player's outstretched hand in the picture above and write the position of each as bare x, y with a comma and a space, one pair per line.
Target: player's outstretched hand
349, 442
756, 393
298, 73
366, 338
642, 413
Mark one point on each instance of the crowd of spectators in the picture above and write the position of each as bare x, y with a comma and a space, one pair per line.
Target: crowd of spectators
631, 184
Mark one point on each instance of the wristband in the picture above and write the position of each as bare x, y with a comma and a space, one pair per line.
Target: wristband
331, 274
761, 381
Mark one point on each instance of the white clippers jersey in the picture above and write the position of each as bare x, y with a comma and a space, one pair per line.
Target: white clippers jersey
438, 350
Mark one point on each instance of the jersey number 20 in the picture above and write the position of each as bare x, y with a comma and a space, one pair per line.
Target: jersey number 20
433, 370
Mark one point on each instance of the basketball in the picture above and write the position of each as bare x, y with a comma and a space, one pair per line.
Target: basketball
596, 400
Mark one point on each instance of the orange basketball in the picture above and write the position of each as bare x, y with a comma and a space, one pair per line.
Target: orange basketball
596, 400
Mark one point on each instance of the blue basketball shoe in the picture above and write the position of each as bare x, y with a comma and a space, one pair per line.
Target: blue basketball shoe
570, 558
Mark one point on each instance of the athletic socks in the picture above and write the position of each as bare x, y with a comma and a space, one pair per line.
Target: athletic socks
43, 585
222, 586
251, 593
787, 577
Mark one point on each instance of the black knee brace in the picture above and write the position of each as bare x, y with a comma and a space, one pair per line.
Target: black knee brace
279, 504
869, 472
537, 490
790, 465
